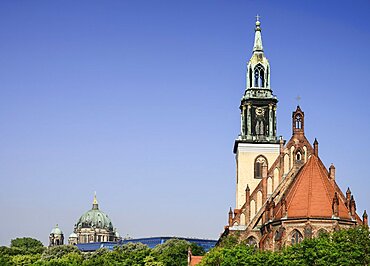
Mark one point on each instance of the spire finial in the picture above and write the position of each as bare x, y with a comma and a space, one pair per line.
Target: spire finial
95, 202
298, 98
257, 36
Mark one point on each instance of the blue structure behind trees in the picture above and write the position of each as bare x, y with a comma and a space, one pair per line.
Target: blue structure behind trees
151, 242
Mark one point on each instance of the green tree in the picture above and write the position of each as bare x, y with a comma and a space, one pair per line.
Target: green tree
132, 254
26, 245
345, 247
239, 254
23, 260
175, 252
5, 259
58, 252
152, 261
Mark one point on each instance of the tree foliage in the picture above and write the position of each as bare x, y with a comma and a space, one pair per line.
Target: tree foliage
175, 252
345, 247
24, 246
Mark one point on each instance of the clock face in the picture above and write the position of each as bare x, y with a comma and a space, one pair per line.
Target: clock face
259, 111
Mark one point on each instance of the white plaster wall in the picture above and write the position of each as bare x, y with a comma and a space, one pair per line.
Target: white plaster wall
269, 186
253, 208
246, 155
259, 200
286, 164
242, 219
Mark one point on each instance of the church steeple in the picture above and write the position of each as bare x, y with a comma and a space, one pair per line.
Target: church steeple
257, 36
258, 104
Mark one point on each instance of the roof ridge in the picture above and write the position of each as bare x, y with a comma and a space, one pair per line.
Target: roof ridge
325, 175
309, 190
296, 182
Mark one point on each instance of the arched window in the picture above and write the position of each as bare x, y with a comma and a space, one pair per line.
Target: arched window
253, 208
299, 156
259, 163
321, 232
252, 241
250, 77
296, 237
259, 76
298, 121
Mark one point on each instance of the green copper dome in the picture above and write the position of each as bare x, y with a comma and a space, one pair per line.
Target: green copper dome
94, 218
56, 231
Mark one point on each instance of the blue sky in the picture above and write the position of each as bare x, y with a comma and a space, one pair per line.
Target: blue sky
138, 101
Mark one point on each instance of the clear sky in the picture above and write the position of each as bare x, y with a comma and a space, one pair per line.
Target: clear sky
138, 101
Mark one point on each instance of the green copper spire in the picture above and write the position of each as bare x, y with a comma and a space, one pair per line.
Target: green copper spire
257, 36
258, 104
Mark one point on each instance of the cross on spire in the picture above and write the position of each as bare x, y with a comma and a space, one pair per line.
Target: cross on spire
258, 17
298, 98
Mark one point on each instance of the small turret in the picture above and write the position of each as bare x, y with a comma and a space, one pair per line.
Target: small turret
335, 205
56, 237
352, 206
230, 217
364, 219
332, 172
247, 195
316, 147
298, 121
348, 197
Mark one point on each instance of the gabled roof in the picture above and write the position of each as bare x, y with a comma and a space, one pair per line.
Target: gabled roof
311, 193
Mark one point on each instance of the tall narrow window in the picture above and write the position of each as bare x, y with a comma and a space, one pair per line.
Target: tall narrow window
259, 164
256, 77
259, 76
298, 121
250, 77
296, 237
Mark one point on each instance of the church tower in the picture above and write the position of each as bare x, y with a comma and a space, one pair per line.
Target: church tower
284, 192
257, 145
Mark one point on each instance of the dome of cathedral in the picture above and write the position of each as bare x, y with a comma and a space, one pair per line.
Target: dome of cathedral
56, 231
73, 235
95, 218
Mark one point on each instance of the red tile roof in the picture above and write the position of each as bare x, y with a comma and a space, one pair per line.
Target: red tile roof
195, 260
311, 193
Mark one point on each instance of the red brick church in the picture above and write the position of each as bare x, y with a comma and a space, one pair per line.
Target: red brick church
284, 193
